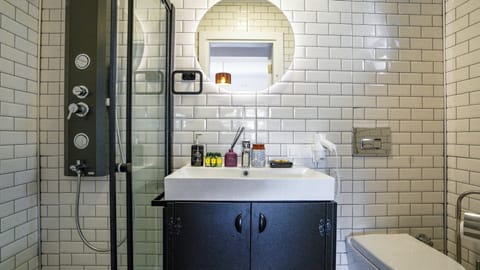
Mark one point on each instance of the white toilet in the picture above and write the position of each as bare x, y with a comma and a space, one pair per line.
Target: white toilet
395, 252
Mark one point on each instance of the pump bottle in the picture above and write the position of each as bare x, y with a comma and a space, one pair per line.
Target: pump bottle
197, 153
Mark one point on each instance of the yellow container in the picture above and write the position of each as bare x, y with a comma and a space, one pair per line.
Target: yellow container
213, 162
219, 161
208, 160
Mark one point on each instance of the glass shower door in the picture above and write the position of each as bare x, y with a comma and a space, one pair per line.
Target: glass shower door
147, 136
139, 124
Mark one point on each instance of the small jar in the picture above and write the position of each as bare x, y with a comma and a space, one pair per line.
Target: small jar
258, 155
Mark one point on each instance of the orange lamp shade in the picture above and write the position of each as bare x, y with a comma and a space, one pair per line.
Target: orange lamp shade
223, 78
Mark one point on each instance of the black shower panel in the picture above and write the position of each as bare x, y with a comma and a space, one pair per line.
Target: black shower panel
86, 85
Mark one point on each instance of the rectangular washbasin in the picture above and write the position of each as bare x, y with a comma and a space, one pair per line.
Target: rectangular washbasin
253, 184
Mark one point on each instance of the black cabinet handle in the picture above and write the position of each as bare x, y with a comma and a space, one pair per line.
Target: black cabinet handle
238, 223
262, 223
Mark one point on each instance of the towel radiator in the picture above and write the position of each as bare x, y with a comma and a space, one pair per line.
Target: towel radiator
459, 218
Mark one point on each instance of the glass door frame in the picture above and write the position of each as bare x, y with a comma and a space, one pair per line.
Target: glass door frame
112, 91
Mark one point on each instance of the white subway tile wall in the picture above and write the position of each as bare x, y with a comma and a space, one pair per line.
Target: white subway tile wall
61, 245
356, 64
462, 63
19, 230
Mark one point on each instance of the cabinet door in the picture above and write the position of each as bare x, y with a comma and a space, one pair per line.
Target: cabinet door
290, 236
210, 236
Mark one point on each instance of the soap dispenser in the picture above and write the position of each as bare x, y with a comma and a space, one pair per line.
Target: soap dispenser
197, 153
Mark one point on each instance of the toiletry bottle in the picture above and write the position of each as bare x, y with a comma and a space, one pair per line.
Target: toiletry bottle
230, 158
197, 153
213, 160
245, 154
208, 158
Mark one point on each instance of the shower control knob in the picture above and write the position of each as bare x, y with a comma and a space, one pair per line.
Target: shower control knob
81, 141
82, 61
80, 91
72, 108
80, 109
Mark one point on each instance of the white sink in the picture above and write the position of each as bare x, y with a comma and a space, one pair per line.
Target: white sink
260, 184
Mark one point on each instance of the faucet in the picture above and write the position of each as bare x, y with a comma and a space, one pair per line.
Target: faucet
245, 154
79, 167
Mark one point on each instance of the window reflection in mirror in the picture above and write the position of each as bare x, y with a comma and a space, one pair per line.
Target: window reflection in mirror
250, 39
249, 63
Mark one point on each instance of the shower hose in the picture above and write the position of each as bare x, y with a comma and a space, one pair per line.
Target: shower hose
77, 217
78, 169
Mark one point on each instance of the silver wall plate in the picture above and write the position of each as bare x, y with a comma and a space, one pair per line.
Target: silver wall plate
373, 142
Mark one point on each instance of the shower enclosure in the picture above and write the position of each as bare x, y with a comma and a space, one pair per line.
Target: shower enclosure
139, 138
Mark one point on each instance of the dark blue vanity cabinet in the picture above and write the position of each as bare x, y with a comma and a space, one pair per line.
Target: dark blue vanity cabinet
249, 235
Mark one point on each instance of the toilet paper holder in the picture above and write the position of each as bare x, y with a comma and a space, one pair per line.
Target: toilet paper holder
472, 223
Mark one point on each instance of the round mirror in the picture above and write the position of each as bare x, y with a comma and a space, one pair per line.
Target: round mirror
251, 40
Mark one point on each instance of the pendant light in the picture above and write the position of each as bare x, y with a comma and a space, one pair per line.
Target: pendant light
223, 78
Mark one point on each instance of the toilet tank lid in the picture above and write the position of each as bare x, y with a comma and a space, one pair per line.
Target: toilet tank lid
401, 252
